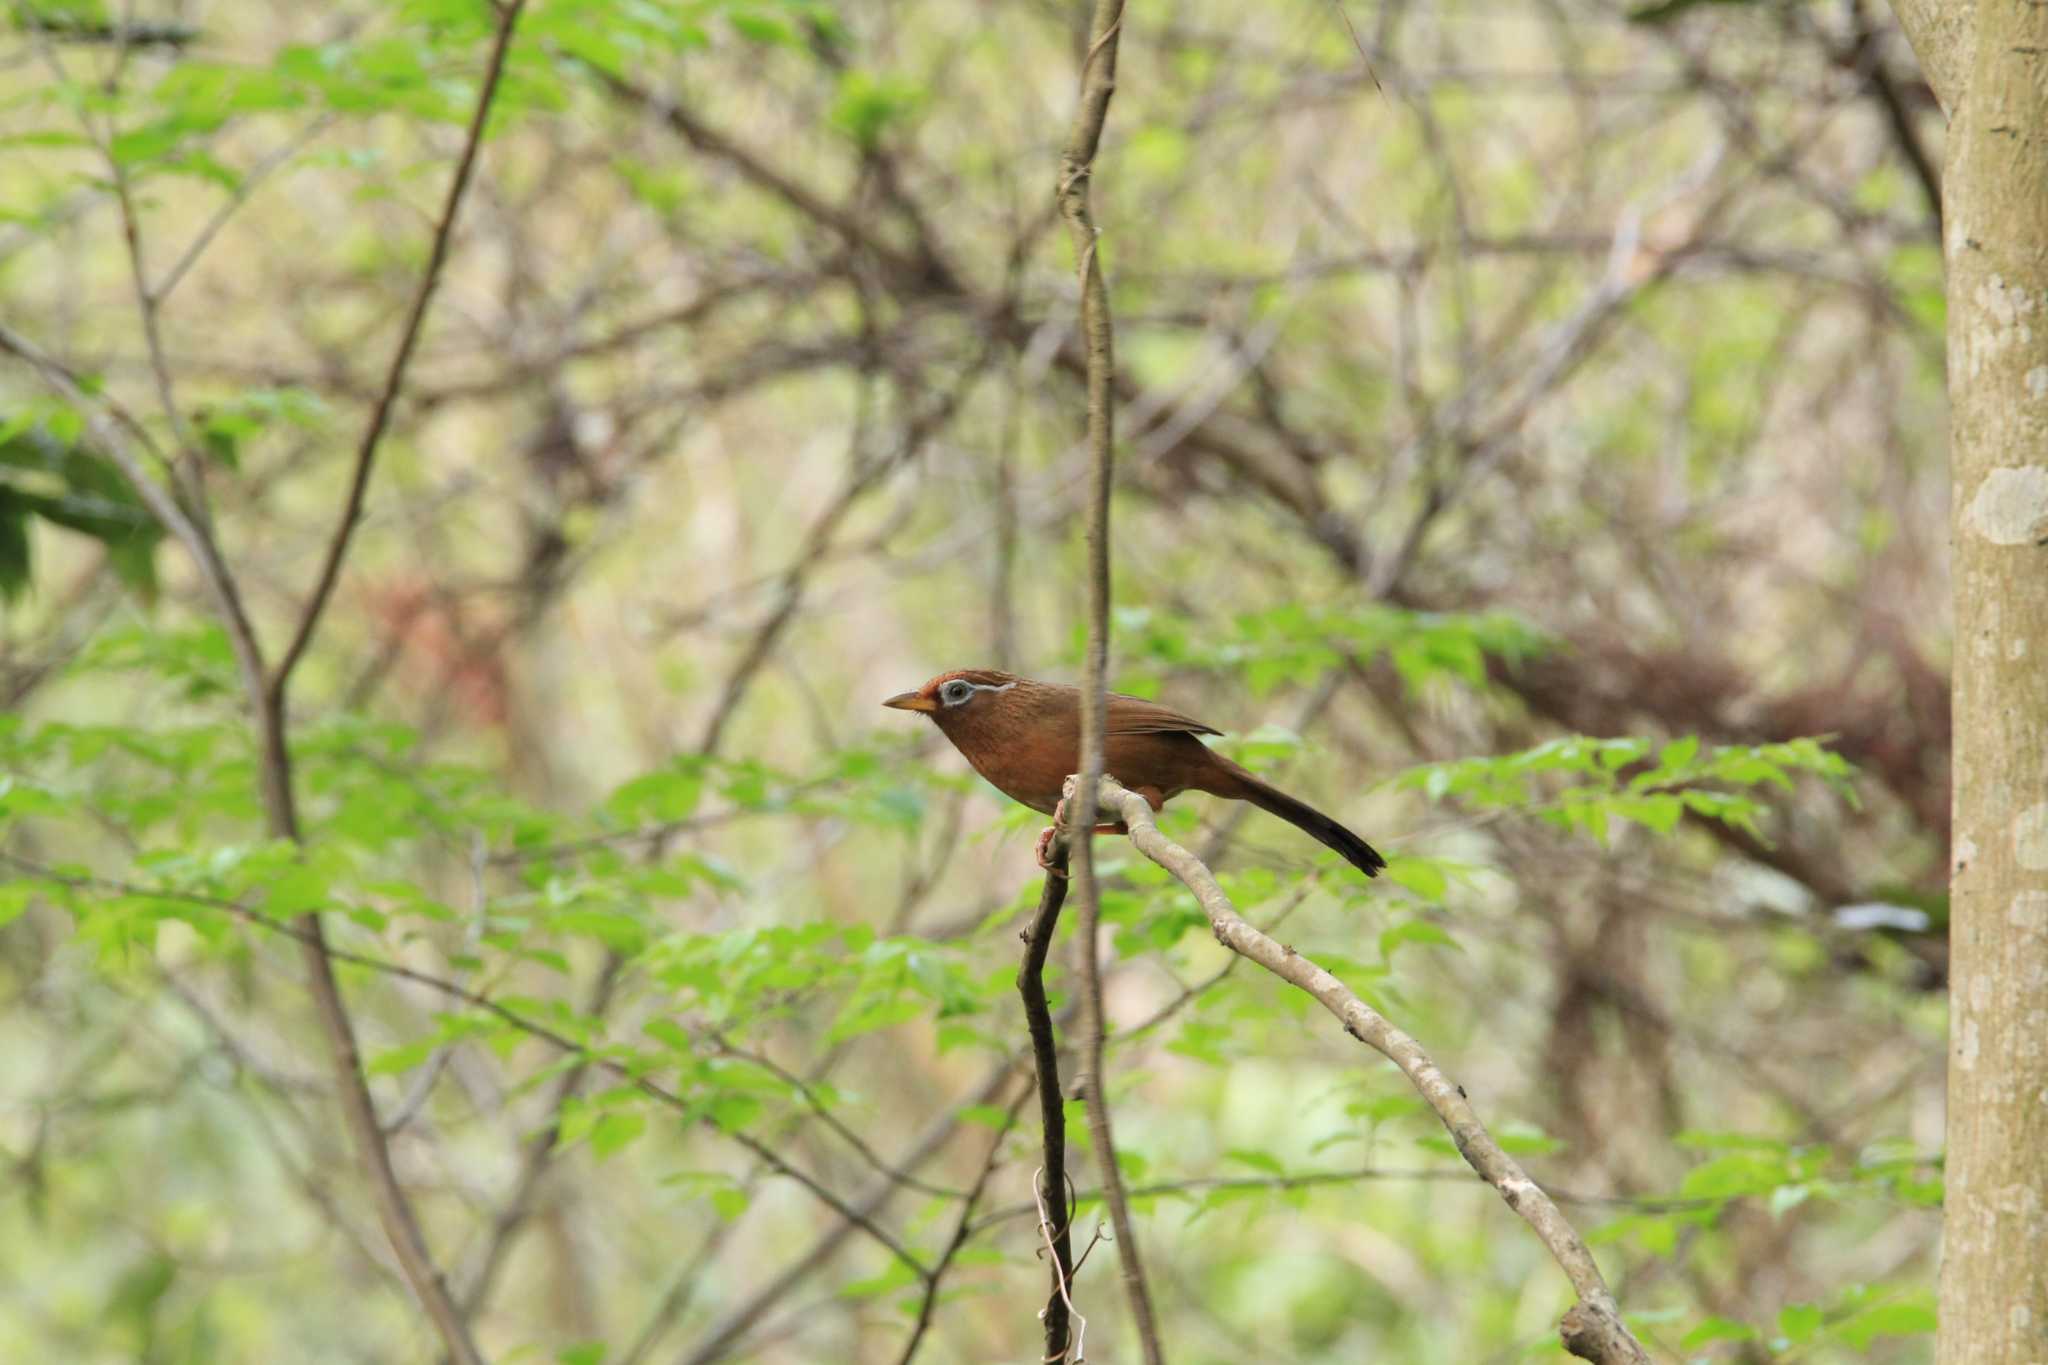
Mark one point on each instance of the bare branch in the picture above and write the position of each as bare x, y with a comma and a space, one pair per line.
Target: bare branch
724, 1334
394, 379
1077, 166
541, 1151
1593, 1329
1052, 1173
237, 197
963, 1232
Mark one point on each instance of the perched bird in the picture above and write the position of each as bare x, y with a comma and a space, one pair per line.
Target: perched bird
1025, 737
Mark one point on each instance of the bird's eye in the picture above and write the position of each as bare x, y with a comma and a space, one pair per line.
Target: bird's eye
955, 692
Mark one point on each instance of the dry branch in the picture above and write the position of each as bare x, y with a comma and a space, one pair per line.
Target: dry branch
1593, 1329
1077, 168
1052, 1177
401, 360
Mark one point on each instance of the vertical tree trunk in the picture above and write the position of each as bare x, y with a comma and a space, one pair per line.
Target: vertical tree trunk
1992, 75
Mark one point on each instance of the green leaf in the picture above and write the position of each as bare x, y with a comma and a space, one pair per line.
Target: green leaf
1664, 11
662, 797
1424, 876
1415, 931
140, 1289
44, 471
1518, 1137
14, 551
615, 1130
1678, 753
15, 899
1899, 1319
669, 1032
1659, 813
404, 1057
1707, 1140
21, 797
987, 1115
1798, 1322
868, 105
300, 889
760, 28
1263, 1162
582, 1353
729, 1201
147, 143
1717, 1329
895, 1277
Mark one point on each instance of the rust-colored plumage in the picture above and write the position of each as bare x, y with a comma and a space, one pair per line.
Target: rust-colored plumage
1025, 738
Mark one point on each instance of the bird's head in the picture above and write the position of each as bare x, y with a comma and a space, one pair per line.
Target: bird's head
956, 695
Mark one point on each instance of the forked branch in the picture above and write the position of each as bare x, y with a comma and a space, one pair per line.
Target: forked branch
1593, 1329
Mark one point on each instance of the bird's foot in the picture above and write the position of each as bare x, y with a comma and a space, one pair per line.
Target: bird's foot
1053, 831
1045, 838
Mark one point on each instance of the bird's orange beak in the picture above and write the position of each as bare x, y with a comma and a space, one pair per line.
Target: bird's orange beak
910, 701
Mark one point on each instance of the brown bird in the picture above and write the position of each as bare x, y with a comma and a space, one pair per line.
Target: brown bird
1025, 737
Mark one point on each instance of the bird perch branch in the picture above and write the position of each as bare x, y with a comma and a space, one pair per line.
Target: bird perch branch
1593, 1329
1052, 1182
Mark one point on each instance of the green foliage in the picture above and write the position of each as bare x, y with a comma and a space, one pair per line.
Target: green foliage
413, 851
867, 106
784, 947
1777, 1175
48, 472
1296, 644
1854, 1320
228, 427
1665, 11
1583, 784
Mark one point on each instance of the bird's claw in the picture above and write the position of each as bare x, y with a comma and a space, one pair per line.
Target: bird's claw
1050, 833
1045, 838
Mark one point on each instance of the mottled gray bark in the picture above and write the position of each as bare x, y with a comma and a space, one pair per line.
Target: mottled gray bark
1988, 63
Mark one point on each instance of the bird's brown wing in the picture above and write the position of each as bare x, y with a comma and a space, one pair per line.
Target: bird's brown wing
1136, 716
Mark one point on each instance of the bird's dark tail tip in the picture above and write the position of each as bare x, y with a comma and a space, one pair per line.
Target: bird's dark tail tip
1314, 823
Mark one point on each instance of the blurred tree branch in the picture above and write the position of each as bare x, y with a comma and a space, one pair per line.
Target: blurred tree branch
306, 938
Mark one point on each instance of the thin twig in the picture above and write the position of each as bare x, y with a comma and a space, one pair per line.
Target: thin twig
454, 990
720, 1338
1077, 168
541, 1151
832, 1121
963, 1232
244, 188
1593, 1329
401, 359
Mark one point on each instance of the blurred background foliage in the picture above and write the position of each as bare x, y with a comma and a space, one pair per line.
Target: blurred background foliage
1532, 453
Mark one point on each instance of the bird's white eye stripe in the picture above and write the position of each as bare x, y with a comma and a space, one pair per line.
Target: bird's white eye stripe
959, 691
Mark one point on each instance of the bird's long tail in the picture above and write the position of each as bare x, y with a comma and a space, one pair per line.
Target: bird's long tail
1309, 820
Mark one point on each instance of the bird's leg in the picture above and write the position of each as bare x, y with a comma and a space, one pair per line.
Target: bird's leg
1045, 838
1048, 834
1051, 832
